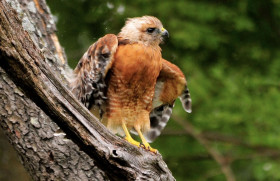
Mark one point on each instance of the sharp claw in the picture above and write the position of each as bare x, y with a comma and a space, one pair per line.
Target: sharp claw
142, 145
148, 148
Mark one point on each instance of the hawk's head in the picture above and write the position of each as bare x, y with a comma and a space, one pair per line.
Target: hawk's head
147, 30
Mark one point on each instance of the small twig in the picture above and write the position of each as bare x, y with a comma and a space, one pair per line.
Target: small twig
225, 167
210, 174
260, 150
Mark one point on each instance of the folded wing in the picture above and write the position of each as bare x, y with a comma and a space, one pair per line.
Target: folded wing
89, 84
170, 85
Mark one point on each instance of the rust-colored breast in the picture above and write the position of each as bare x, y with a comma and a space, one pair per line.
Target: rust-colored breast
133, 78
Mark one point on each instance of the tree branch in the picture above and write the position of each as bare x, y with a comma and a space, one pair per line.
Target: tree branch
25, 63
260, 150
225, 167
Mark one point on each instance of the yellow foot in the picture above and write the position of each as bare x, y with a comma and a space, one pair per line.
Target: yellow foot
148, 147
144, 145
132, 141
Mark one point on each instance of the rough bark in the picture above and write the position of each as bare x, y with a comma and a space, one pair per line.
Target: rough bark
44, 149
56, 137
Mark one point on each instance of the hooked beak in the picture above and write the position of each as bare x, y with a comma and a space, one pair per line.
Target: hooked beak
164, 32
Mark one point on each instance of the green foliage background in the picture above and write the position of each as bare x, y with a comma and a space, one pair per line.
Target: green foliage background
229, 52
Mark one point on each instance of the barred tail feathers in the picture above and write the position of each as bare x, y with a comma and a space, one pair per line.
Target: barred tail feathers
186, 100
158, 120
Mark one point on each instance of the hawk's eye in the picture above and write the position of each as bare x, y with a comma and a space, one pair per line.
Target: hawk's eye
151, 30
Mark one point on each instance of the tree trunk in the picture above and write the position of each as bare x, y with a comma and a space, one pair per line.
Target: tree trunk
56, 136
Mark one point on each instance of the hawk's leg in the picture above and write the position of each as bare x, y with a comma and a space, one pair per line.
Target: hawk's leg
145, 143
128, 137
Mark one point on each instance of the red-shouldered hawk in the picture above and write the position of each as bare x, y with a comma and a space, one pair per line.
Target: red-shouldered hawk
125, 81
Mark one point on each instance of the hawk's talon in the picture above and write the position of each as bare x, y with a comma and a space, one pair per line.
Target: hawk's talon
128, 137
142, 145
132, 141
149, 148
